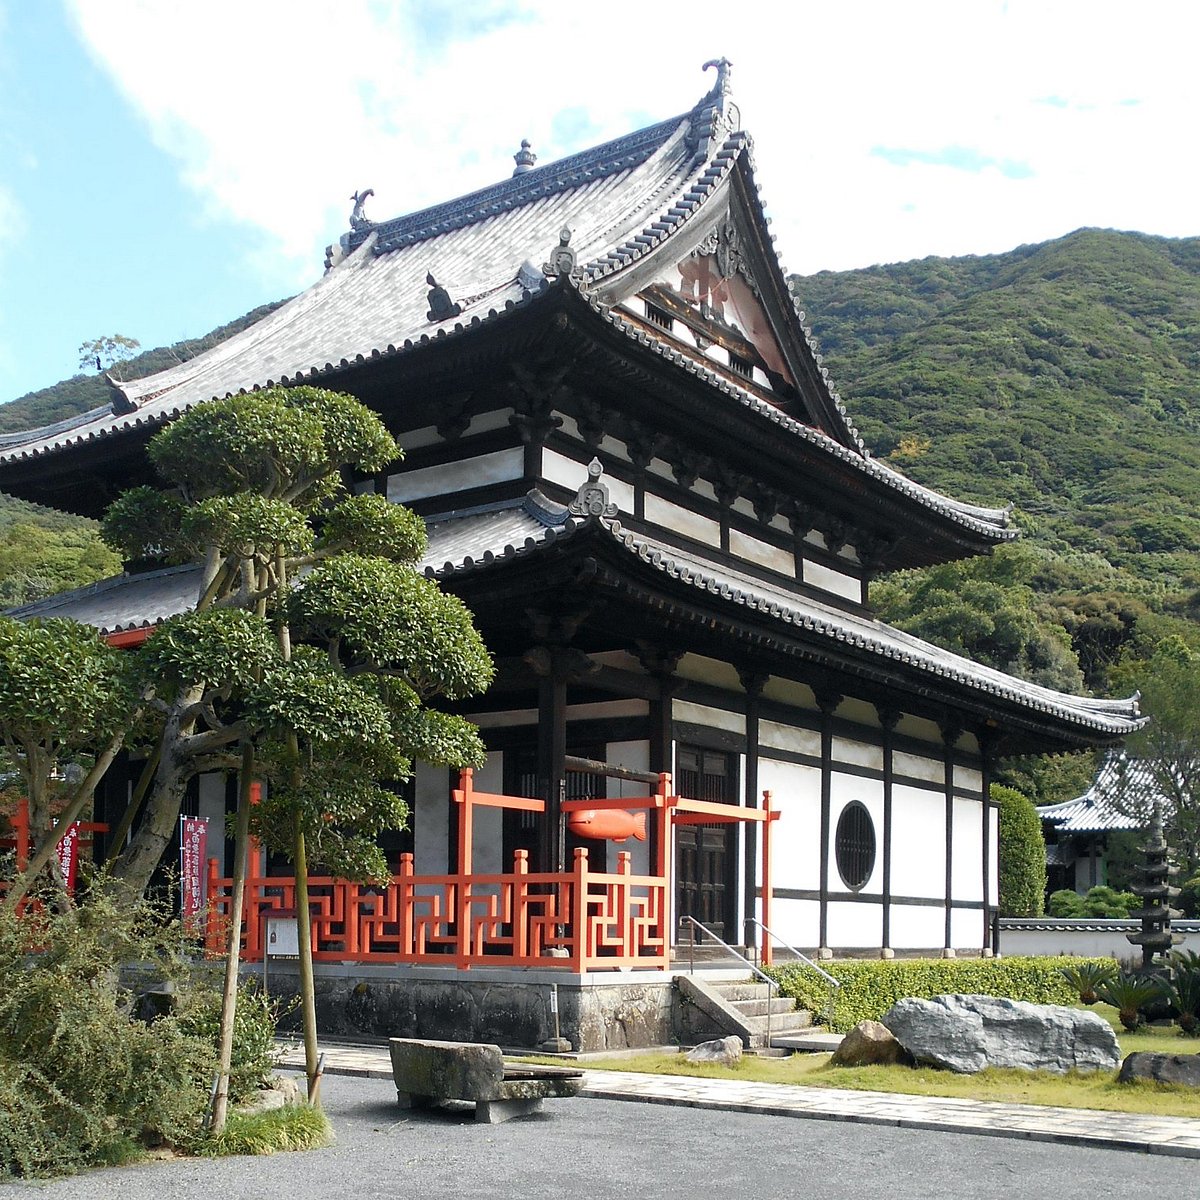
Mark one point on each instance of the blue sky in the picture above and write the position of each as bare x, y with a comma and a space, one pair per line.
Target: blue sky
165, 166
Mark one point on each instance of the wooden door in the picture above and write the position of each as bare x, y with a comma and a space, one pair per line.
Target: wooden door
705, 857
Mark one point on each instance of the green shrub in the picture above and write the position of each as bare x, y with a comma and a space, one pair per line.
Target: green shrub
869, 989
254, 1053
1098, 902
82, 1081
1065, 903
293, 1127
1022, 853
1085, 976
1130, 993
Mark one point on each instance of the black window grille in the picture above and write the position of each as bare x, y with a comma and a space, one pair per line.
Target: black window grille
659, 316
741, 366
854, 845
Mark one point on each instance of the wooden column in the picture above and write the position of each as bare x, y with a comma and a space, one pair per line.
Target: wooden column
660, 664
950, 734
888, 719
827, 702
985, 768
753, 682
552, 771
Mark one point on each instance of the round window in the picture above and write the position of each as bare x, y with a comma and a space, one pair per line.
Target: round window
854, 845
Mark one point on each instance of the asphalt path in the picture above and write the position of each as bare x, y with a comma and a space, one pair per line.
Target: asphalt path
613, 1148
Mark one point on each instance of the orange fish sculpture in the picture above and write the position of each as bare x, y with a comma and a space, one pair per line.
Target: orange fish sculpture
613, 824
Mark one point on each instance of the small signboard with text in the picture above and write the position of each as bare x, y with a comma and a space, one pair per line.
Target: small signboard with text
193, 850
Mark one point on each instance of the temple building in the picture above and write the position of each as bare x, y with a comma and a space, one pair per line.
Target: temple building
640, 478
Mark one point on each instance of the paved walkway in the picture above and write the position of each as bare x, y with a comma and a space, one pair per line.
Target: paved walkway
1178, 1136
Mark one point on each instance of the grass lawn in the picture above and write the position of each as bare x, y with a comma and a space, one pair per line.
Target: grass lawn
1098, 1090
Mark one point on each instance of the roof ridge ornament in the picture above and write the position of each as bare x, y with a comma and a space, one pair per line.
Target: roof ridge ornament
592, 498
562, 257
358, 217
441, 307
716, 115
524, 158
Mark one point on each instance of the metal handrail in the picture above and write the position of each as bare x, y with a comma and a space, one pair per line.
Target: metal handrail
834, 984
771, 983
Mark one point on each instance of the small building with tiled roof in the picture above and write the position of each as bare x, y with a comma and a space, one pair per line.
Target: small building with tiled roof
641, 479
1121, 799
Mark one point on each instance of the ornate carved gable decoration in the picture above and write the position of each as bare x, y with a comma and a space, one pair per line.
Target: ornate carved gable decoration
706, 272
592, 498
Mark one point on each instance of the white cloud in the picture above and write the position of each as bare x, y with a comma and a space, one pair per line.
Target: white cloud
276, 111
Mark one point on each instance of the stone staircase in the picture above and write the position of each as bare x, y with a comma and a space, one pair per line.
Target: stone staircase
746, 1010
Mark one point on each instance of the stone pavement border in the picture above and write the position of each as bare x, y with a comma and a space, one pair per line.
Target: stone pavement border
1176, 1136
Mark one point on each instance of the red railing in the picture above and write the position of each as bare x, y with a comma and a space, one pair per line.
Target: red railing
581, 920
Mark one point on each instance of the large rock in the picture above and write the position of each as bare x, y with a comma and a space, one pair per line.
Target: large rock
727, 1051
867, 1044
1162, 1068
968, 1033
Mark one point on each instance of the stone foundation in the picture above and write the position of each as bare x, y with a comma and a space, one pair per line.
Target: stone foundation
512, 1008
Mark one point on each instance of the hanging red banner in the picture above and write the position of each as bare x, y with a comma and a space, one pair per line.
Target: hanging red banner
193, 847
68, 857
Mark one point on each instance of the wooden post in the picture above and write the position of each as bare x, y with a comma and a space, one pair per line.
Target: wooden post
20, 824
404, 900
464, 797
552, 772
768, 953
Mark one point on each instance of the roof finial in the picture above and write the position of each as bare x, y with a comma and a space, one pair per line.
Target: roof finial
562, 257
592, 498
358, 218
724, 85
441, 307
524, 158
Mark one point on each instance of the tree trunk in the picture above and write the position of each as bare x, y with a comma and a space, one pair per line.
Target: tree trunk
233, 956
308, 998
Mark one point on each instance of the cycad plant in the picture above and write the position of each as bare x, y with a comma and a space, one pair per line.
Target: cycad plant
1129, 993
1185, 988
1086, 976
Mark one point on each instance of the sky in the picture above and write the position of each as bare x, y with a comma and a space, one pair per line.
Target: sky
166, 165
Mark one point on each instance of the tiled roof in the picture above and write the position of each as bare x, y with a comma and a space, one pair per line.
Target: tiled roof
621, 201
1121, 780
463, 543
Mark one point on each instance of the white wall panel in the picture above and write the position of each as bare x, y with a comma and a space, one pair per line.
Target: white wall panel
212, 805
855, 925
797, 922
791, 738
635, 756
869, 793
968, 779
919, 767
917, 927
918, 842
489, 840
966, 929
967, 868
763, 553
450, 477
682, 520
795, 845
431, 820
994, 857
829, 580
859, 754
713, 718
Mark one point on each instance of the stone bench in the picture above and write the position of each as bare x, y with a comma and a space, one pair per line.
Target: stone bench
428, 1073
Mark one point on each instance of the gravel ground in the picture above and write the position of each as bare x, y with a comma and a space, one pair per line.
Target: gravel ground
606, 1148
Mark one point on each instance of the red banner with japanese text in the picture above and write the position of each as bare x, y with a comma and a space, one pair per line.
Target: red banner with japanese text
68, 857
193, 848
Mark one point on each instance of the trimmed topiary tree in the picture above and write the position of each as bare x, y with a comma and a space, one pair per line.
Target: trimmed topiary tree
1022, 855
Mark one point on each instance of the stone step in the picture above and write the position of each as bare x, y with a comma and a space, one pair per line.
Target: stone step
760, 1008
780, 1024
734, 992
814, 1041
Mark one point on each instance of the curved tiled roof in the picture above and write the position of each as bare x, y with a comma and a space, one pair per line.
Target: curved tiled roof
621, 201
1123, 795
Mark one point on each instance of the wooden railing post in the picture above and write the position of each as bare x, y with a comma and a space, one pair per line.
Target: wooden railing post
520, 904
622, 906
581, 950
769, 817
20, 823
212, 931
404, 905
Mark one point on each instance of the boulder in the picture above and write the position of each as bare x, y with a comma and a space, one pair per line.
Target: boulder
968, 1033
280, 1092
727, 1051
868, 1043
1162, 1068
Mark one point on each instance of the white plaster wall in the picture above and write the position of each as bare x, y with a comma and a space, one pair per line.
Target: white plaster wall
855, 924
570, 473
919, 767
488, 843
966, 880
795, 840
450, 477
702, 714
212, 805
917, 927
682, 520
795, 740
968, 779
994, 857
966, 928
918, 842
829, 580
431, 820
859, 754
869, 793
797, 922
635, 756
763, 553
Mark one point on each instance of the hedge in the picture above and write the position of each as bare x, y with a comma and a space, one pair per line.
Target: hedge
869, 989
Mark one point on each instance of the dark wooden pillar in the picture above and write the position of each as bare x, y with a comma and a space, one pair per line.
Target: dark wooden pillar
827, 702
551, 760
950, 735
985, 768
660, 664
888, 720
753, 682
